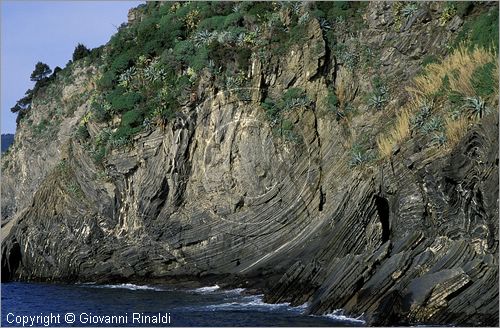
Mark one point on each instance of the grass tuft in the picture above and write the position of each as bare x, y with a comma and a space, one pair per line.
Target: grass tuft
456, 129
399, 133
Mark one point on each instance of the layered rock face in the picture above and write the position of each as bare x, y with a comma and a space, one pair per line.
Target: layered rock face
410, 239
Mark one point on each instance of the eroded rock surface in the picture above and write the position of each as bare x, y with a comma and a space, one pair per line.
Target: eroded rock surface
413, 239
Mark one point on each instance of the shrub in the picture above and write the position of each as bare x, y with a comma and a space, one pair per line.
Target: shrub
82, 133
122, 62
106, 81
80, 52
480, 31
123, 101
482, 80
243, 56
429, 59
463, 7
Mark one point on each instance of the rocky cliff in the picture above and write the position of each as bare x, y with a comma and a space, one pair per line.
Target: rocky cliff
314, 215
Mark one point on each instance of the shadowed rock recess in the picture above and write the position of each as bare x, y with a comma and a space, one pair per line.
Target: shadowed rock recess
218, 193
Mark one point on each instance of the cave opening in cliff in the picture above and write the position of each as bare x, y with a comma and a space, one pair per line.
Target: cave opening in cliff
12, 261
383, 213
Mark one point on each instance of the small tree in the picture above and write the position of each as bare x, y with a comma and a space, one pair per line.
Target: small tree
41, 72
22, 106
80, 52
24, 103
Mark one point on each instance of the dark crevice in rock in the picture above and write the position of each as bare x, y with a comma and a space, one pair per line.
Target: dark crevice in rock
11, 260
383, 212
322, 199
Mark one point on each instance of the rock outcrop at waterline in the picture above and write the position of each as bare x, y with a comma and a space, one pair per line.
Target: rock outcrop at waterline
410, 239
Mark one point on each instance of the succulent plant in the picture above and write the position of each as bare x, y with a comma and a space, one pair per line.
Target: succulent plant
409, 10
304, 18
434, 124
325, 24
476, 106
439, 139
203, 38
418, 120
127, 76
359, 155
377, 101
237, 7
297, 7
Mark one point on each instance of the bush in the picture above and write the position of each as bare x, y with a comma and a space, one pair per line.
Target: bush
429, 59
107, 81
82, 133
482, 80
80, 52
123, 101
481, 30
463, 7
122, 62
131, 124
243, 56
132, 118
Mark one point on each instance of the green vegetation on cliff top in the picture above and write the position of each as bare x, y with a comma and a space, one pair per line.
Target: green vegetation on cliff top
151, 66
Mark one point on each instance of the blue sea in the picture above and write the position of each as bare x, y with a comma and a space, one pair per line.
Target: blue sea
52, 305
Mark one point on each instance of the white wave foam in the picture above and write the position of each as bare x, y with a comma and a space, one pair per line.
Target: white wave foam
254, 302
236, 291
340, 316
126, 286
206, 290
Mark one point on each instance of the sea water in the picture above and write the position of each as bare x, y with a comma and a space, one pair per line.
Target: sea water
51, 305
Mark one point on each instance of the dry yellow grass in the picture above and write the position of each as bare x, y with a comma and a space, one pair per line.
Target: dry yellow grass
456, 129
458, 66
399, 133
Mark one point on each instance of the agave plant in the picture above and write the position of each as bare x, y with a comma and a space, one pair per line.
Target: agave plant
127, 76
409, 10
273, 19
203, 38
118, 142
434, 124
151, 74
359, 155
456, 113
147, 124
304, 18
377, 101
240, 39
232, 83
422, 115
237, 7
325, 24
439, 139
299, 102
476, 106
297, 7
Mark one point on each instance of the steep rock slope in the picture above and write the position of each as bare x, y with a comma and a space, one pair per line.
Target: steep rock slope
215, 192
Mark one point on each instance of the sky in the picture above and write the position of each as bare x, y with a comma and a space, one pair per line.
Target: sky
48, 31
